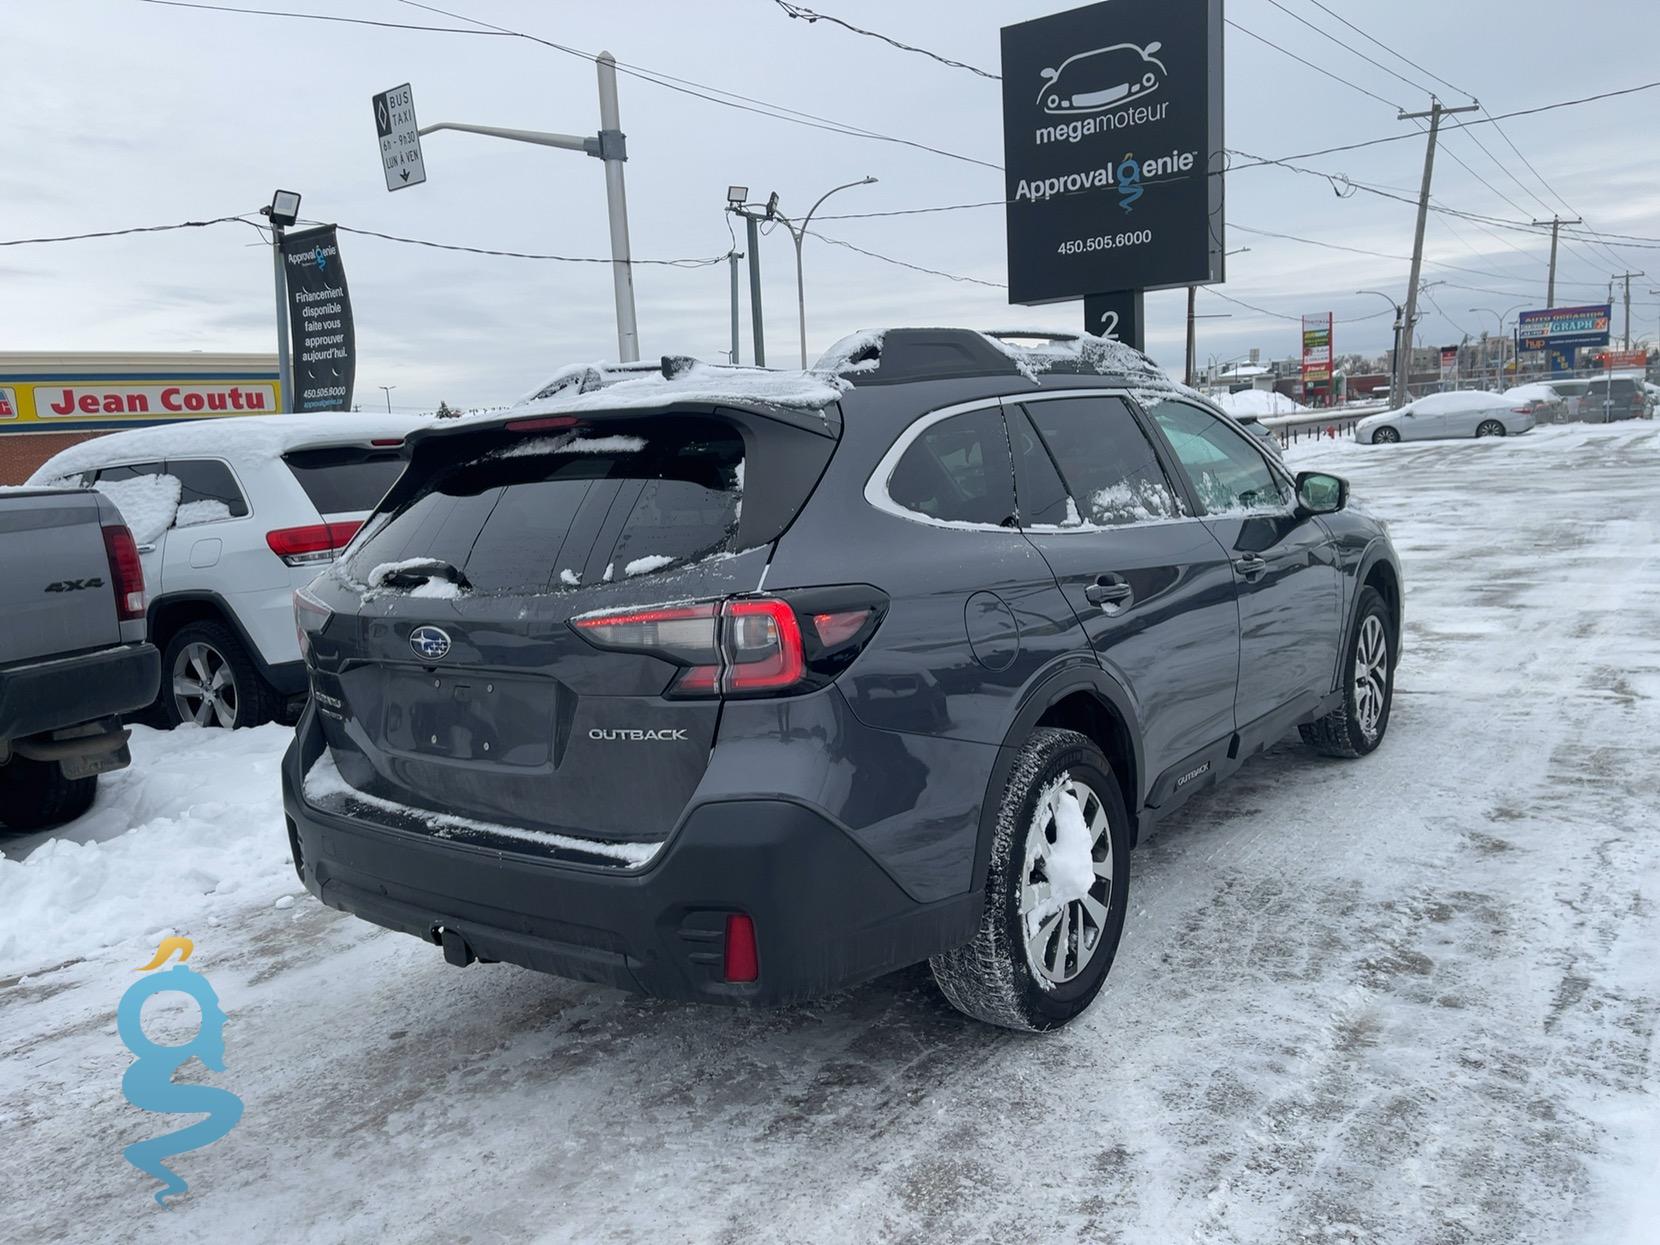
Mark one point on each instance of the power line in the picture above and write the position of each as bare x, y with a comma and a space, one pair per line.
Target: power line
320, 17
888, 259
809, 16
1398, 56
1246, 30
1326, 34
117, 233
563, 259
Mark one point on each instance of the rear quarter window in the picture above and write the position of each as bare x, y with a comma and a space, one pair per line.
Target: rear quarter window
346, 479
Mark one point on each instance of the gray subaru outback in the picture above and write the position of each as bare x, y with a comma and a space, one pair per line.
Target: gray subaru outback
744, 687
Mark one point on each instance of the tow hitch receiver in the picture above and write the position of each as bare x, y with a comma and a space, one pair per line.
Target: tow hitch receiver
456, 950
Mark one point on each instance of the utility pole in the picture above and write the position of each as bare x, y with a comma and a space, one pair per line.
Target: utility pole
1555, 223
737, 202
1403, 350
1626, 277
732, 258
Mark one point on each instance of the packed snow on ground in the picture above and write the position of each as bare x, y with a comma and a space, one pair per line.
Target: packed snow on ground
1404, 999
146, 503
1259, 402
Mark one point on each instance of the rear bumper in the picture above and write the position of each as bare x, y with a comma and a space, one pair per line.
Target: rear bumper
47, 696
826, 915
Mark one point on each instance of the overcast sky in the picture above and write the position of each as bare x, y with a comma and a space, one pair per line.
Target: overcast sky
121, 113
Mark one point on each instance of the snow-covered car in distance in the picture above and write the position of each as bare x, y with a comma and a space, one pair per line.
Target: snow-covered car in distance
1101, 79
1549, 406
1470, 413
231, 516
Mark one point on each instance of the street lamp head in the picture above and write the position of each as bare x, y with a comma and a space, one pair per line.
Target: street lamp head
284, 209
772, 205
868, 181
737, 196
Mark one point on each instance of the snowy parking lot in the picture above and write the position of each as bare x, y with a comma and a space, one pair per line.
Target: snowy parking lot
1413, 998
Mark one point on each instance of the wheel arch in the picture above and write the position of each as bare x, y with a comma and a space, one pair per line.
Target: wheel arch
1378, 570
1080, 698
169, 613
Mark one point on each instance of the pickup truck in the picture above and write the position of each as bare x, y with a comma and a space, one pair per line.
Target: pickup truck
72, 651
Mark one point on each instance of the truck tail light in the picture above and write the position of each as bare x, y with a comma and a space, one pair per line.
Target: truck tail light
126, 571
747, 646
315, 545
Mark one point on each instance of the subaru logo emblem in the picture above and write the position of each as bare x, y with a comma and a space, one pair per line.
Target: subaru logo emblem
430, 643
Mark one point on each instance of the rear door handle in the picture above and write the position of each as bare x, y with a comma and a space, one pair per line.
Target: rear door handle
1109, 591
1251, 567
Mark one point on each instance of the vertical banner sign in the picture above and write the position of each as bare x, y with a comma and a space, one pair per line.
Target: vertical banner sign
1449, 362
1316, 351
1112, 146
320, 322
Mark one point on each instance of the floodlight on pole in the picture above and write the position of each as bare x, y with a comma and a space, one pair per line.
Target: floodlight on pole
737, 196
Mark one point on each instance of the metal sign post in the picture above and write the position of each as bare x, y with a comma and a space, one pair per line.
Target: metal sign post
609, 145
1118, 317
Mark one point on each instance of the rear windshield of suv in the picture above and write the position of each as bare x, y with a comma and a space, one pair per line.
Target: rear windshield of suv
343, 479
572, 509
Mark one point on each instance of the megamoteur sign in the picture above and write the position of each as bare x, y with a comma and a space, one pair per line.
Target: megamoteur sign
1112, 149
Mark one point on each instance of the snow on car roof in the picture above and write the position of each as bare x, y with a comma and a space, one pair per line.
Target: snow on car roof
1032, 351
612, 386
238, 439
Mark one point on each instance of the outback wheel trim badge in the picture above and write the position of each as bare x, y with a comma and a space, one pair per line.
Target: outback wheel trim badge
1371, 674
1061, 937
430, 643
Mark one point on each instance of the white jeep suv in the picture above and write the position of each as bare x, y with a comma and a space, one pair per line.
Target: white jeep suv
231, 516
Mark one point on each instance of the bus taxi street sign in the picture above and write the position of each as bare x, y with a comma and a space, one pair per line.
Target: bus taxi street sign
400, 141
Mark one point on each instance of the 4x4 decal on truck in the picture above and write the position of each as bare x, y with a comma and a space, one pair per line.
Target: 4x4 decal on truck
74, 585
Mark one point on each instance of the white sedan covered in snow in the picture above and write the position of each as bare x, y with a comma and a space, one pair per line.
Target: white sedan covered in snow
1471, 413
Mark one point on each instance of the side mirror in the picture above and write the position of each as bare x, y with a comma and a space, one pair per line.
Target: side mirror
1319, 493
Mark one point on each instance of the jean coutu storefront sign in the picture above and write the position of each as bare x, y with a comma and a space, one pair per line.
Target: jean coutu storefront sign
1112, 143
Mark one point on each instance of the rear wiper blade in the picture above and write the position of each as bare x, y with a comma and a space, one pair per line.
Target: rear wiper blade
417, 571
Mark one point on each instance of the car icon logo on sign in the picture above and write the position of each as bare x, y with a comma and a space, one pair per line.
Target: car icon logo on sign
1102, 79
429, 642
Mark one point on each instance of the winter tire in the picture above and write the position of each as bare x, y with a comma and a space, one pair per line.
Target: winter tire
1056, 890
208, 678
1358, 725
1386, 436
1490, 428
34, 795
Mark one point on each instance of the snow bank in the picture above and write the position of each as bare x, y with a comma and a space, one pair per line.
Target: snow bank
196, 820
1259, 402
146, 503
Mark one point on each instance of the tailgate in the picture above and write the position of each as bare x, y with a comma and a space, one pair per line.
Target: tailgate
58, 591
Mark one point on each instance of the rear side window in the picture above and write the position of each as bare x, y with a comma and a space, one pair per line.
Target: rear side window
568, 510
207, 491
958, 471
343, 479
1106, 460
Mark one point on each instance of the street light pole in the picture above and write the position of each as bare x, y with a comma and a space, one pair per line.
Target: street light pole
798, 234
611, 147
1394, 395
387, 390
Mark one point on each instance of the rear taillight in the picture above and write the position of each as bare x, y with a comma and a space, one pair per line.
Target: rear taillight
747, 646
315, 545
310, 617
551, 423
126, 571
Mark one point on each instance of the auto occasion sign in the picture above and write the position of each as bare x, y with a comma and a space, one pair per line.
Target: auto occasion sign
1564, 327
1112, 149
320, 321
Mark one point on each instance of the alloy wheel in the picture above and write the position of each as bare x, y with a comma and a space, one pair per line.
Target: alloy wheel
1386, 436
204, 688
1063, 908
1492, 428
1371, 675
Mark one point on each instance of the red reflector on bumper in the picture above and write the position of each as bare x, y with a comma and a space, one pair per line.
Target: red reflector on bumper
742, 962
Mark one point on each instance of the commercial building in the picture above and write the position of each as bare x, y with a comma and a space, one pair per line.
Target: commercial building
50, 401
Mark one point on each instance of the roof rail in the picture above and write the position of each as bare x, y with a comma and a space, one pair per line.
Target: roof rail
900, 355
